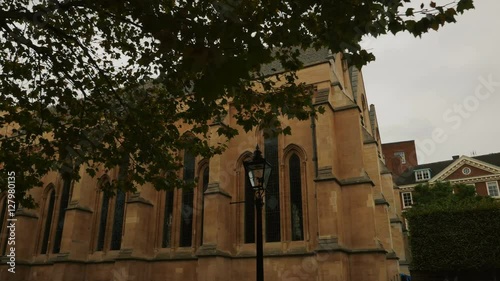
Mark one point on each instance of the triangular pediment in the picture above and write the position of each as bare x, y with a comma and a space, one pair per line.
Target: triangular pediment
466, 167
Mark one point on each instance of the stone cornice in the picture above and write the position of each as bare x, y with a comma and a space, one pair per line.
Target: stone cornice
477, 179
357, 180
381, 201
371, 141
330, 244
347, 107
178, 255
471, 180
21, 212
331, 178
325, 103
396, 220
137, 198
75, 205
210, 251
276, 253
407, 187
214, 188
392, 256
345, 182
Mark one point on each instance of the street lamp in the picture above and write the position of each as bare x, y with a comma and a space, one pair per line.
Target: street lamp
258, 171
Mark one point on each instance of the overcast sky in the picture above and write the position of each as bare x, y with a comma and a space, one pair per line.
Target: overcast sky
435, 89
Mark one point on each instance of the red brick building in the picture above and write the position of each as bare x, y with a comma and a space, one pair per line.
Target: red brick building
482, 172
400, 156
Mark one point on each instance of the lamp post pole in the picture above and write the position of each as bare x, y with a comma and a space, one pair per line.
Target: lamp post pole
259, 244
258, 171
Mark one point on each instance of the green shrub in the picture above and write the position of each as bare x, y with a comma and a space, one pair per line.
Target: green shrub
454, 232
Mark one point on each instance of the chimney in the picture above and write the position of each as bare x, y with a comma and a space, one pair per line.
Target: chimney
455, 157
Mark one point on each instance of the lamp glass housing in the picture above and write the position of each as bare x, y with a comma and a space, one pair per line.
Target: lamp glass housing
258, 170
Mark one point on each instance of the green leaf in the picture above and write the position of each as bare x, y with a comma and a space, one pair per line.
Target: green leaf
464, 5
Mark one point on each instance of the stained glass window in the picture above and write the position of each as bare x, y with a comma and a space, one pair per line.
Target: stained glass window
116, 234
102, 222
187, 202
272, 202
62, 212
249, 212
204, 183
167, 219
48, 222
296, 199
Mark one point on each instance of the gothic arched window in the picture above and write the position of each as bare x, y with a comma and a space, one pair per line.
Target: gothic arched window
111, 207
117, 231
249, 227
204, 187
63, 204
47, 215
272, 205
296, 214
167, 219
103, 219
186, 229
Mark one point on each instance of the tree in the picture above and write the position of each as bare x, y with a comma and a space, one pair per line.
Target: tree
454, 233
103, 83
441, 193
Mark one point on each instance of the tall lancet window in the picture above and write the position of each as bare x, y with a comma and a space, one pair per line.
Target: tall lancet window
204, 186
116, 234
111, 218
103, 219
49, 212
167, 219
187, 202
272, 199
249, 212
296, 198
62, 212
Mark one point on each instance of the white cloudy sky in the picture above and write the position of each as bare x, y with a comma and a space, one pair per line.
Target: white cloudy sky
437, 85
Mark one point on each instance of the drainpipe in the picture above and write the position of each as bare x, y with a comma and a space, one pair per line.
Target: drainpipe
315, 146
315, 161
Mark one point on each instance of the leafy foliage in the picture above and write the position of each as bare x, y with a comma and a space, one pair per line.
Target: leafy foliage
440, 194
453, 232
97, 83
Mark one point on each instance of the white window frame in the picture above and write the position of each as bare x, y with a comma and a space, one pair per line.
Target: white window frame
425, 175
403, 200
401, 155
494, 184
407, 225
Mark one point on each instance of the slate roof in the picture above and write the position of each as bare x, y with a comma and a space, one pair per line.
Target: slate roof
408, 176
307, 57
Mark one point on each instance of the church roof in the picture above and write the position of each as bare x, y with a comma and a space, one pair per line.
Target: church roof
308, 57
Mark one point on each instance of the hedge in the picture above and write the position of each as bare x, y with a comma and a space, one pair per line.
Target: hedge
455, 236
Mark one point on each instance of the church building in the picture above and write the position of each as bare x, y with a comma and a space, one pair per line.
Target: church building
330, 210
